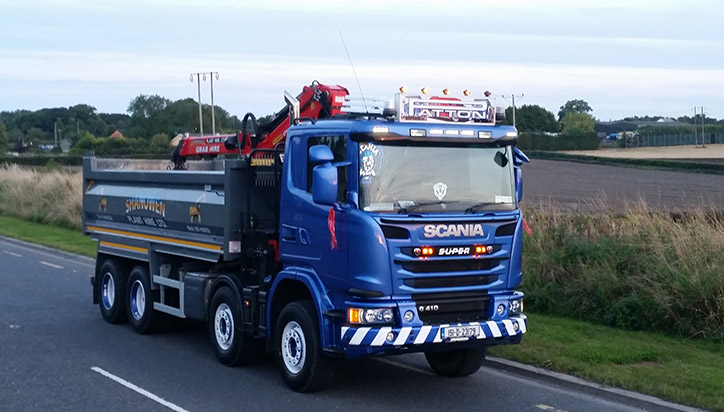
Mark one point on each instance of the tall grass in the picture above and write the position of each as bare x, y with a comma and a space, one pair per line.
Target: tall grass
50, 195
635, 269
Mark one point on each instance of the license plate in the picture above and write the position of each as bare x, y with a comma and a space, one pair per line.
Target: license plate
460, 332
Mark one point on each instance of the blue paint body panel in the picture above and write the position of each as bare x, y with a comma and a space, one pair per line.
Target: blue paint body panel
346, 259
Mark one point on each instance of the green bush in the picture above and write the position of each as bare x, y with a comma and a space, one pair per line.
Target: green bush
541, 141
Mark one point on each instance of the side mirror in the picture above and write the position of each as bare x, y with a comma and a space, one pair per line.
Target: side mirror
324, 176
320, 154
518, 159
324, 184
518, 184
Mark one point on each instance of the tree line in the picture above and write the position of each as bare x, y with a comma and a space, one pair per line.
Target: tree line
152, 120
148, 126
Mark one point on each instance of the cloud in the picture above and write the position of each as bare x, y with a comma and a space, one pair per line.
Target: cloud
256, 82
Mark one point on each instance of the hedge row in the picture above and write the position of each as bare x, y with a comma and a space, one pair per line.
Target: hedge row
702, 167
540, 141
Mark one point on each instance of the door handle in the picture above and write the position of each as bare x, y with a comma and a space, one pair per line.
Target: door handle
304, 237
289, 234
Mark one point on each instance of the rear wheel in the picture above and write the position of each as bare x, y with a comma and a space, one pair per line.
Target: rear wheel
456, 363
141, 315
112, 292
298, 350
231, 346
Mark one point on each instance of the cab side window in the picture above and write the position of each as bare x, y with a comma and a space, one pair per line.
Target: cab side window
338, 144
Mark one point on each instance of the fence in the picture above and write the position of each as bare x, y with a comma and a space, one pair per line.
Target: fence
675, 139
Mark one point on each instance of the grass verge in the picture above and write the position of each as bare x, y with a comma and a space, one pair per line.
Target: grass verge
683, 371
52, 236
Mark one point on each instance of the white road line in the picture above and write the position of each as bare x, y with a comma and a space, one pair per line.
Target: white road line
51, 253
7, 252
403, 366
52, 265
142, 391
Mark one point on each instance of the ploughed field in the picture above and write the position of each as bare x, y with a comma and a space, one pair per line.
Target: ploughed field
564, 186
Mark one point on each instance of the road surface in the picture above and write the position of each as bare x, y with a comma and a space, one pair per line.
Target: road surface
59, 355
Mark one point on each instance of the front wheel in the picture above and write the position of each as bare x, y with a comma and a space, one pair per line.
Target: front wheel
456, 363
141, 315
298, 349
231, 346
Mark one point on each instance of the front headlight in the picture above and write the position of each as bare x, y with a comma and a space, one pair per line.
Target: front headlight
370, 315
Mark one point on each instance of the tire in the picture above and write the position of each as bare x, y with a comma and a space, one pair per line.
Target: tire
140, 297
231, 346
112, 292
456, 363
298, 350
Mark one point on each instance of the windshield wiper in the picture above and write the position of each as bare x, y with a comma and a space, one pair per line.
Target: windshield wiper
478, 206
416, 206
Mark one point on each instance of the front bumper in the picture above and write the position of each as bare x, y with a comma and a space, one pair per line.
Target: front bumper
361, 341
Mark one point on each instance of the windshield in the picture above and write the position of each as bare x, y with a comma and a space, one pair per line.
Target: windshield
408, 179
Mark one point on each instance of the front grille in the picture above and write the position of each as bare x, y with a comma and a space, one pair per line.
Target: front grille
450, 281
440, 308
467, 265
394, 232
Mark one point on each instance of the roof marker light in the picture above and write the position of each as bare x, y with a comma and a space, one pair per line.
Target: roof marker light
380, 129
446, 91
436, 131
466, 92
468, 132
487, 93
403, 89
425, 90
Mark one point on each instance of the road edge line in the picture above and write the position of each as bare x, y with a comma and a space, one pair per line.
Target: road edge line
49, 250
648, 402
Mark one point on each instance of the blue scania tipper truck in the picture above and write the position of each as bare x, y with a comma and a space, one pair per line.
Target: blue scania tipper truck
387, 230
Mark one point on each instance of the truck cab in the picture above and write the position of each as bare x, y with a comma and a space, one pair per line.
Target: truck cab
409, 233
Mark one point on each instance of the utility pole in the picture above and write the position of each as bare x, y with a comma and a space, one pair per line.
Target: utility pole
213, 119
198, 83
696, 131
55, 132
703, 144
512, 101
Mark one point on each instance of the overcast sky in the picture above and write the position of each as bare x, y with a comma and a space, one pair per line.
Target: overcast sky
635, 57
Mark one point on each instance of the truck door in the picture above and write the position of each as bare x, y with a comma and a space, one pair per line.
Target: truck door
312, 234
